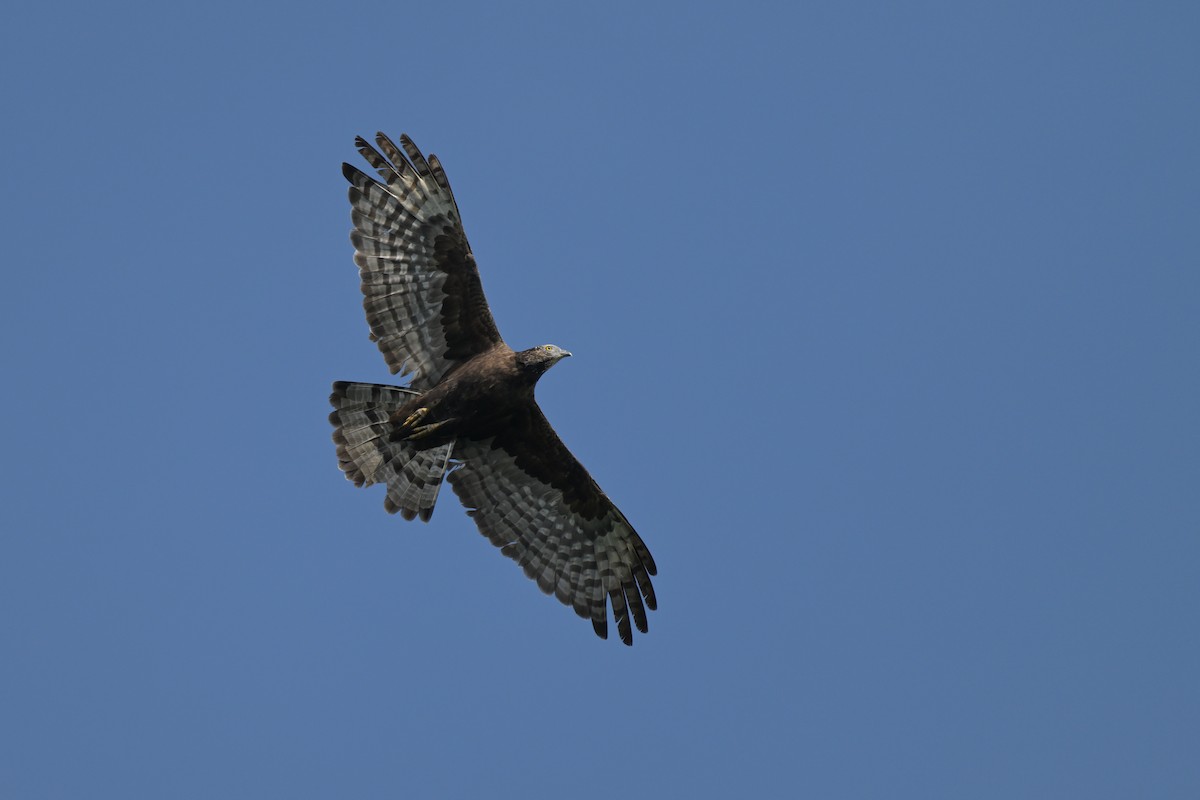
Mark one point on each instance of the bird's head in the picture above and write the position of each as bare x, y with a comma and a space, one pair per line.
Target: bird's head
542, 357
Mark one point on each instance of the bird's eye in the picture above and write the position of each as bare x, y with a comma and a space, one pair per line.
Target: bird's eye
547, 347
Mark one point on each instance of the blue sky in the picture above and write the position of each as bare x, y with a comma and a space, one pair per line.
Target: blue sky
885, 325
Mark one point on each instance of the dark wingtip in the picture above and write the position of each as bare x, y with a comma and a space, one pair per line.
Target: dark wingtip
639, 613
600, 626
425, 514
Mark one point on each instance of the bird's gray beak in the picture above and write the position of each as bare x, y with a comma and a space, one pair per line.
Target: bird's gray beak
565, 353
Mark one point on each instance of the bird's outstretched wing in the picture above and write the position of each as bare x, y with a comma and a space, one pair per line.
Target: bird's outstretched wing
421, 288
537, 503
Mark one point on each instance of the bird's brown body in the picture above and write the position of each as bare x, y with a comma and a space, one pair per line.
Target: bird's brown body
479, 399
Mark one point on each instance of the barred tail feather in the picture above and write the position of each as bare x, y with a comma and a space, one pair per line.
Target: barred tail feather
362, 425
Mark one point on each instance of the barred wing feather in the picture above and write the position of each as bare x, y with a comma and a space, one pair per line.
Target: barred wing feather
537, 503
421, 290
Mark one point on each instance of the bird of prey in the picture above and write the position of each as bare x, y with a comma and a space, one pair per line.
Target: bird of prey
468, 413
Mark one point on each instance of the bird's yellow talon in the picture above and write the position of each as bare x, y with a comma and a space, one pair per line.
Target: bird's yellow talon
425, 430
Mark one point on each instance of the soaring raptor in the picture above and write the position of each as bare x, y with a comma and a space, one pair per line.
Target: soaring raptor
468, 413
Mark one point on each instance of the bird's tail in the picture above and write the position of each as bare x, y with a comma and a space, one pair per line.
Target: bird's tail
362, 427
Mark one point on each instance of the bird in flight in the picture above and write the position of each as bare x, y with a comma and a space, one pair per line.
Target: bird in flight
468, 413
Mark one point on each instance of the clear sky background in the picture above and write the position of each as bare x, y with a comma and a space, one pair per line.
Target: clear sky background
886, 330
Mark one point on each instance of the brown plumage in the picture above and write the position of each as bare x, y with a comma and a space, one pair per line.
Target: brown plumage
469, 411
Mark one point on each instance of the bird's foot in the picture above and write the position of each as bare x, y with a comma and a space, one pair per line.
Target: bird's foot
425, 430
415, 417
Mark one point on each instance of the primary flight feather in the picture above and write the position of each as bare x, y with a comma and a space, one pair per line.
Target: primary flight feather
468, 413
